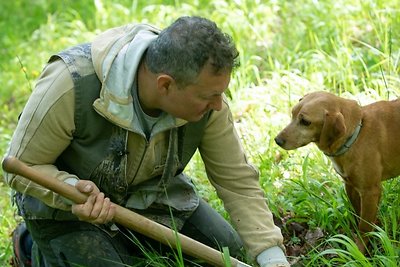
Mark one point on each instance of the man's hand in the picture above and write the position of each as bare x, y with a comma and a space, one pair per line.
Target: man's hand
98, 209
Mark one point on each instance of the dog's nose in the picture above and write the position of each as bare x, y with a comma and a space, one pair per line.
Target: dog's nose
279, 141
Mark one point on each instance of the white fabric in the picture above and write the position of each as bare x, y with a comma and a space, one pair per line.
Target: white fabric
272, 257
71, 181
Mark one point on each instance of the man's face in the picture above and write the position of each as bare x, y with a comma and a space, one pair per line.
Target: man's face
195, 100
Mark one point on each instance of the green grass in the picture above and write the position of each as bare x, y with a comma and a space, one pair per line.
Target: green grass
287, 48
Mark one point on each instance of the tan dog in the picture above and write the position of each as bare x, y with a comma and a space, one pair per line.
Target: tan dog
361, 141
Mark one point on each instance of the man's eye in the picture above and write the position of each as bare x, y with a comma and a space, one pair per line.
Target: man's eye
304, 122
205, 98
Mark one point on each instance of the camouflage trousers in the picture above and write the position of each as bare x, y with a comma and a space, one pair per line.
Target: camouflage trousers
76, 243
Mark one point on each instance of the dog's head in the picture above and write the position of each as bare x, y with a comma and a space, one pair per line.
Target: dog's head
322, 118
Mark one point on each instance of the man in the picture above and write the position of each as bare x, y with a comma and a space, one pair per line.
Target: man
119, 118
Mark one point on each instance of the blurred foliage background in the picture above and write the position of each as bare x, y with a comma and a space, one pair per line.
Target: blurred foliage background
287, 48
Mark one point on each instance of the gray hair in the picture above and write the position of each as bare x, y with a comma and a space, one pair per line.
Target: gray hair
187, 45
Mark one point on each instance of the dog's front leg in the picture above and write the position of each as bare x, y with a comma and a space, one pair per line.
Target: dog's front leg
368, 213
354, 197
369, 208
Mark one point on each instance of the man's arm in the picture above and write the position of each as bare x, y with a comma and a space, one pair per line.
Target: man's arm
44, 130
237, 184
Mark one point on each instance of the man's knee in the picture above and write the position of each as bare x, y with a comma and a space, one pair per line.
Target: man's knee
77, 243
87, 248
207, 226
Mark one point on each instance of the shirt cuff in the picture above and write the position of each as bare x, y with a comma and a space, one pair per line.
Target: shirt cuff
71, 181
273, 256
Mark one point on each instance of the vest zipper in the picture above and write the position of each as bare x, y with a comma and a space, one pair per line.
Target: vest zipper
141, 160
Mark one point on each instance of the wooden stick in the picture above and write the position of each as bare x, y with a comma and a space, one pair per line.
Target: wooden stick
124, 216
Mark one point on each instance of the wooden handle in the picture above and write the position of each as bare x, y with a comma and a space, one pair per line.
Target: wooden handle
124, 216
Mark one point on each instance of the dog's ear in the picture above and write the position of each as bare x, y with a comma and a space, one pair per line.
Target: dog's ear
333, 130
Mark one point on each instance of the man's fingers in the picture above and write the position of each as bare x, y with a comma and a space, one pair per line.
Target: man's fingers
84, 210
107, 212
87, 187
97, 206
97, 209
111, 212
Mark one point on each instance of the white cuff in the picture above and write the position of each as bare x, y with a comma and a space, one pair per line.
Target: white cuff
272, 257
71, 181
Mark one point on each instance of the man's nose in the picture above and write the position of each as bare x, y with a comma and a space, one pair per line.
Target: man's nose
216, 104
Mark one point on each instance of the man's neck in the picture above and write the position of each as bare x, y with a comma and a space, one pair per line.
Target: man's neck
147, 91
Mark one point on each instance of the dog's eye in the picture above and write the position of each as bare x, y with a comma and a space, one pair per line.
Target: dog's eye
304, 122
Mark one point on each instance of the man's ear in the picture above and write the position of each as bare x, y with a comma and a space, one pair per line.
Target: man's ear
165, 83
